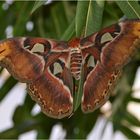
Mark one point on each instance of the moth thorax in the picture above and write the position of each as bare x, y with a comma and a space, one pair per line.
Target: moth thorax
76, 62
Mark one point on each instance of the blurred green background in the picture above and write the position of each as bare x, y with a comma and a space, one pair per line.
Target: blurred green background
63, 20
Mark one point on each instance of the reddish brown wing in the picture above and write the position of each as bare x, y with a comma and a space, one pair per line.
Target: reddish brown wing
43, 65
113, 47
54, 89
17, 60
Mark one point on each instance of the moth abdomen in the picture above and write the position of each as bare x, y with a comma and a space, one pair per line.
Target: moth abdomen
76, 62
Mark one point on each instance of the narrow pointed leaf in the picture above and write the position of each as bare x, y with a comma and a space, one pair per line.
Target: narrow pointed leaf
37, 5
135, 100
130, 8
7, 86
132, 119
88, 17
128, 132
70, 31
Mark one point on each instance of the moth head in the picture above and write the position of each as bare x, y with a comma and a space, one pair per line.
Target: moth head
74, 43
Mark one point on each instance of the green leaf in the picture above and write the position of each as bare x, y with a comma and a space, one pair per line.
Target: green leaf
78, 94
132, 119
70, 31
88, 17
38, 4
83, 8
59, 19
22, 18
17, 118
130, 8
94, 22
128, 132
25, 110
15, 131
7, 86
135, 99
29, 103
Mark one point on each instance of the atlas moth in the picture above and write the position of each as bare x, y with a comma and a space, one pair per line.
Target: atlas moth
49, 67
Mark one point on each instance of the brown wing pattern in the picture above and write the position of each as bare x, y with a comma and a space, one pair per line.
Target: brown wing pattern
17, 60
54, 89
42, 64
113, 53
